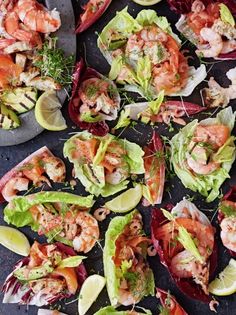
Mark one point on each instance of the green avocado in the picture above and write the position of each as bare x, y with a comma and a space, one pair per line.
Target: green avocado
26, 274
8, 119
20, 100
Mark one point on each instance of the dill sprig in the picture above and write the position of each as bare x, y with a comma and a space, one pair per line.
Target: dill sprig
53, 63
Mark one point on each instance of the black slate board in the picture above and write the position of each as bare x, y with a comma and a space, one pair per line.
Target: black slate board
9, 156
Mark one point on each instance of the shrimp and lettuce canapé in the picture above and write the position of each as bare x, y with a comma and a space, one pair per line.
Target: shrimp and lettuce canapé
145, 55
50, 273
103, 164
94, 100
202, 153
32, 170
110, 310
227, 220
185, 241
210, 26
59, 216
129, 277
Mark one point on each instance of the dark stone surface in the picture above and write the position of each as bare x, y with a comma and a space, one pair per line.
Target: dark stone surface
9, 156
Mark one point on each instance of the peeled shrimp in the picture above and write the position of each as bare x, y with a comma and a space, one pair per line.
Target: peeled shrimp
201, 169
15, 29
184, 265
37, 18
126, 298
228, 46
215, 46
228, 232
13, 186
54, 168
89, 232
198, 6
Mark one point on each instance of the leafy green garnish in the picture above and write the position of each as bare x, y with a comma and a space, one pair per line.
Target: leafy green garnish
168, 215
87, 117
124, 119
71, 262
163, 310
228, 211
155, 105
52, 62
225, 15
186, 240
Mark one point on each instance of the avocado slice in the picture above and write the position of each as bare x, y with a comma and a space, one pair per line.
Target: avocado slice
20, 100
8, 119
26, 274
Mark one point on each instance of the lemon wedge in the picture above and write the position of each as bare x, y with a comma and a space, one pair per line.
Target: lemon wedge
225, 283
146, 2
48, 112
126, 201
89, 292
14, 240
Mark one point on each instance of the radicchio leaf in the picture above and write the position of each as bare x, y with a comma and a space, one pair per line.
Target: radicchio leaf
92, 18
169, 302
81, 74
187, 286
154, 164
18, 292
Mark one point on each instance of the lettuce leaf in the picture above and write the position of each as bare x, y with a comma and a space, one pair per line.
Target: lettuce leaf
92, 176
110, 310
138, 73
207, 185
16, 212
112, 273
225, 15
124, 119
71, 262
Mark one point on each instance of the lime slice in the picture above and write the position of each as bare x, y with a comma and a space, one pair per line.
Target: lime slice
14, 240
147, 2
225, 283
126, 201
89, 292
48, 112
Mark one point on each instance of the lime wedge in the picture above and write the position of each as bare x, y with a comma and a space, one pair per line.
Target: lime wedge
225, 283
14, 240
48, 112
147, 2
89, 292
126, 201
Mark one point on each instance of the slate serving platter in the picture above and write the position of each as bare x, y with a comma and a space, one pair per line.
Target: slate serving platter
67, 41
174, 192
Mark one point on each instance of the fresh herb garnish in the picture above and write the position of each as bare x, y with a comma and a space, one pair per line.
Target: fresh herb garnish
228, 211
52, 62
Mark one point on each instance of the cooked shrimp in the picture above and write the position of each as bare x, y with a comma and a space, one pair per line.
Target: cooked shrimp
55, 168
198, 6
214, 46
89, 232
48, 286
228, 46
36, 17
201, 169
228, 232
13, 186
100, 214
17, 31
116, 176
134, 47
214, 135
126, 298
184, 265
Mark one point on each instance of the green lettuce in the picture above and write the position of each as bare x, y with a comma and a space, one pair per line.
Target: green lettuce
124, 119
110, 310
138, 72
92, 176
225, 15
207, 185
17, 211
115, 228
